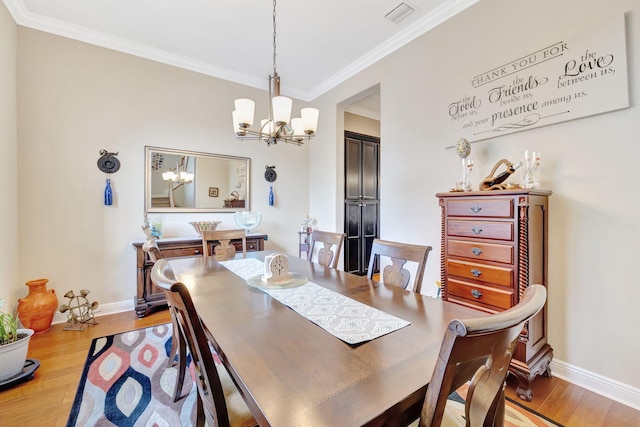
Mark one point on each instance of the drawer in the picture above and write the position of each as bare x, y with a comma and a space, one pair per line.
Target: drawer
496, 208
251, 246
486, 273
475, 293
481, 251
481, 229
178, 252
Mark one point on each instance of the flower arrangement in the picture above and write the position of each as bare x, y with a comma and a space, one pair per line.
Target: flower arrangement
8, 327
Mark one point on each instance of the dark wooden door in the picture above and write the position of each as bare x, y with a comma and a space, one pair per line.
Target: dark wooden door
361, 199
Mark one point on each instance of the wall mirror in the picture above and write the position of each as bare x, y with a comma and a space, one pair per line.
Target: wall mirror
189, 181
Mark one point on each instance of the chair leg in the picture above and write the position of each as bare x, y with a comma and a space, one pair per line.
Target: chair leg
174, 343
182, 367
200, 418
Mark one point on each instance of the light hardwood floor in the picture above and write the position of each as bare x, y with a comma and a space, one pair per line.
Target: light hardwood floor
46, 399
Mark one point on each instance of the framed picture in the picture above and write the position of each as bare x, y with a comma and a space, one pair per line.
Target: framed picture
213, 191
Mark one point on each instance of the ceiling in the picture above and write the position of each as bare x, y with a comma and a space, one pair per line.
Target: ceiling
319, 43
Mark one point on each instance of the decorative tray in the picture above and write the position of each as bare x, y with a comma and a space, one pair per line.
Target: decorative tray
295, 280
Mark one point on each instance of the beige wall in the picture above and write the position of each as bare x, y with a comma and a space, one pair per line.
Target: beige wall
8, 164
360, 124
589, 164
76, 99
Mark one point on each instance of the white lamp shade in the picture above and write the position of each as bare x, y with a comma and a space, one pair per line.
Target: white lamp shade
236, 125
296, 127
266, 126
244, 111
310, 120
281, 109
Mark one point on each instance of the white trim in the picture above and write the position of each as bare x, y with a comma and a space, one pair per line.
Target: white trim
103, 310
22, 16
607, 387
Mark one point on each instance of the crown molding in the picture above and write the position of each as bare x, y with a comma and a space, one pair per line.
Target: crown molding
23, 17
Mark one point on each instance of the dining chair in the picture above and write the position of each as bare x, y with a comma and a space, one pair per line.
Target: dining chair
178, 352
224, 250
219, 401
329, 253
395, 274
478, 350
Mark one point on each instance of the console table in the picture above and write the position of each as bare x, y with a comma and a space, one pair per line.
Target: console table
147, 295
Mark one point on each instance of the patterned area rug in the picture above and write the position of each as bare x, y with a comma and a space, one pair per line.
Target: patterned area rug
516, 415
126, 382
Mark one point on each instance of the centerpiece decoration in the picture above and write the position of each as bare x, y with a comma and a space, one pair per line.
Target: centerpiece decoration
201, 226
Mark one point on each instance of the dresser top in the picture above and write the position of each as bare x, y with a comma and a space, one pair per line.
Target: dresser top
517, 192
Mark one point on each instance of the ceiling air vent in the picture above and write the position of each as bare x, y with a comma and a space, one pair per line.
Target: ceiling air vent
399, 12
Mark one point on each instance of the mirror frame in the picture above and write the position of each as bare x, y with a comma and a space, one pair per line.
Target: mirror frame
170, 151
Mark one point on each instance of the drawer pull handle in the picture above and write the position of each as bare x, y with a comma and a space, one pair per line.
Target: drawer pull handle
476, 251
476, 208
476, 273
476, 293
477, 230
196, 252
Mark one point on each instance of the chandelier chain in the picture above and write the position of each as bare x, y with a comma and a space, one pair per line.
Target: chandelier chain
274, 38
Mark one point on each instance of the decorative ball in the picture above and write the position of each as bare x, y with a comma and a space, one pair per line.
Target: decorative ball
463, 148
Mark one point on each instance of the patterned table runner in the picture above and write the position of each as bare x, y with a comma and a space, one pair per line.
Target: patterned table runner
343, 317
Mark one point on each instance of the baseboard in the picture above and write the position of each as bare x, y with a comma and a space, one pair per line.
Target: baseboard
612, 389
103, 310
607, 387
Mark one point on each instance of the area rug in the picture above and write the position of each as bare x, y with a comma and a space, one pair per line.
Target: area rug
516, 414
126, 382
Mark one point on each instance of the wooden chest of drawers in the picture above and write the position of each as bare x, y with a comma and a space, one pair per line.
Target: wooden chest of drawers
494, 245
147, 295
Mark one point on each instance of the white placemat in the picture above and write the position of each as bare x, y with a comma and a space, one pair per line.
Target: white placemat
343, 317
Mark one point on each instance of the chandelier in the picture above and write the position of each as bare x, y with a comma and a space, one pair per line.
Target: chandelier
180, 173
278, 126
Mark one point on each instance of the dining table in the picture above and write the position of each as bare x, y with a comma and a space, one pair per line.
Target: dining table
293, 373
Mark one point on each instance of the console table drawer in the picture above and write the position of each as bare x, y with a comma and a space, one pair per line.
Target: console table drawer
500, 208
474, 293
481, 229
485, 273
180, 252
481, 251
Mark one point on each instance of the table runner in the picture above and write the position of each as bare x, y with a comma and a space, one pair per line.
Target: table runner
351, 321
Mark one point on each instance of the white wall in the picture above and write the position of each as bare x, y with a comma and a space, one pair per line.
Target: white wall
589, 164
8, 162
76, 99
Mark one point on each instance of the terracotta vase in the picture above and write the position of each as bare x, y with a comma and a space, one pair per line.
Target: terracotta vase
36, 310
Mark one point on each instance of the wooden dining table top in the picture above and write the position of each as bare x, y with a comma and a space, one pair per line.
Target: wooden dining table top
292, 372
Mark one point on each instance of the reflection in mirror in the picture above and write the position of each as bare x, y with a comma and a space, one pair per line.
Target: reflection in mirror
188, 181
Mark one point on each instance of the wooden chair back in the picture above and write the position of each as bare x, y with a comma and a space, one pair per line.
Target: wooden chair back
479, 350
225, 250
163, 279
212, 404
395, 274
152, 249
329, 253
